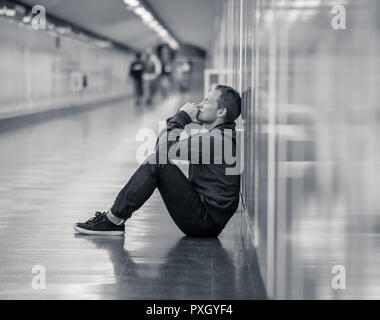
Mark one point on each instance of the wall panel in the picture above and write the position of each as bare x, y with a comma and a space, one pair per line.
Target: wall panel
39, 71
311, 121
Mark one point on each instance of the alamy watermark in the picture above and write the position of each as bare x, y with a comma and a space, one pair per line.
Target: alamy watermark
338, 281
338, 22
200, 147
39, 18
39, 280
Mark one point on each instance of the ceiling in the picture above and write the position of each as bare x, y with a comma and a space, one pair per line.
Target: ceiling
191, 21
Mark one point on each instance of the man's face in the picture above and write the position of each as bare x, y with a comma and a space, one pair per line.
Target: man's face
208, 108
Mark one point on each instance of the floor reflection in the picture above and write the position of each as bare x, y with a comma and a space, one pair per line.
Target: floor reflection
193, 269
57, 172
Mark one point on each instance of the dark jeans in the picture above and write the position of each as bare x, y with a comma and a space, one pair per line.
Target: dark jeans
181, 200
139, 88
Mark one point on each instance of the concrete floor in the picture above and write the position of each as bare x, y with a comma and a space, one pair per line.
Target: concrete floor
58, 172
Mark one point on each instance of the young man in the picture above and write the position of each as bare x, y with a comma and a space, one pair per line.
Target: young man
201, 205
153, 68
136, 72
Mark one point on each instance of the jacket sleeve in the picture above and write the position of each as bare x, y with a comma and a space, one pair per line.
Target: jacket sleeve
174, 126
195, 148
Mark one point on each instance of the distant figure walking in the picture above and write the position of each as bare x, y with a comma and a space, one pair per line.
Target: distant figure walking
184, 72
166, 56
136, 72
152, 72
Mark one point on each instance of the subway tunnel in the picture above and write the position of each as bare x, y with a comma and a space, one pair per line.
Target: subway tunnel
76, 121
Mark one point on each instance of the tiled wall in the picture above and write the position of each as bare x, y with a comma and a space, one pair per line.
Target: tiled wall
40, 71
311, 122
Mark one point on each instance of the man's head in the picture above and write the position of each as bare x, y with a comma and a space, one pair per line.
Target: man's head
223, 103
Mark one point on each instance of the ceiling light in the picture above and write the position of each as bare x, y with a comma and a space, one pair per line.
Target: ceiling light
149, 20
163, 32
147, 17
140, 11
50, 26
153, 24
158, 28
172, 43
103, 43
132, 3
304, 3
10, 12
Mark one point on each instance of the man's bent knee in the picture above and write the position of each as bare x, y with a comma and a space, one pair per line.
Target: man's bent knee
151, 159
153, 162
157, 159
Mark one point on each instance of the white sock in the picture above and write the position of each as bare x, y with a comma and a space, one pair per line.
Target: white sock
115, 220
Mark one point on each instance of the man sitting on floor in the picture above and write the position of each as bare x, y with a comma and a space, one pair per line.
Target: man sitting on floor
201, 205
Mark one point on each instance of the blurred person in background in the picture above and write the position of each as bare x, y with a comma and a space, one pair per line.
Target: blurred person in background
136, 72
152, 72
166, 55
184, 68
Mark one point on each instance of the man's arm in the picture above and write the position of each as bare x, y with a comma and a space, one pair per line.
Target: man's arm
170, 147
174, 126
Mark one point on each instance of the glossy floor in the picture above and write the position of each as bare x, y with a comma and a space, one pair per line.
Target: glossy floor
57, 172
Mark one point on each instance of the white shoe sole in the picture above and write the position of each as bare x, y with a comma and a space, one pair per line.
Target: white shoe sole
99, 233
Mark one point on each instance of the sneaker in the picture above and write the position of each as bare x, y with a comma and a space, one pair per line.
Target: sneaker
100, 225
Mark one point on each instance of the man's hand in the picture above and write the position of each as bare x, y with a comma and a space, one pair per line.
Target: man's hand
192, 110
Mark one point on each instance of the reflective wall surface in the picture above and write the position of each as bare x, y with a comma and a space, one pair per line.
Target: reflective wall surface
40, 71
311, 120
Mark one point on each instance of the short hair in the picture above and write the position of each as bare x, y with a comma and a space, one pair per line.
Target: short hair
138, 54
230, 99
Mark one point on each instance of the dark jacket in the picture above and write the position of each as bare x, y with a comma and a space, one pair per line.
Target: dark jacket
137, 69
218, 191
